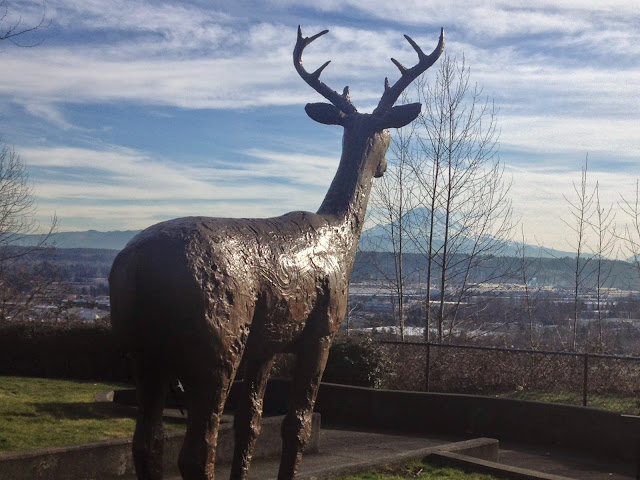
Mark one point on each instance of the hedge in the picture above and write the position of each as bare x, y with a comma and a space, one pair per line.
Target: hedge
70, 350
88, 351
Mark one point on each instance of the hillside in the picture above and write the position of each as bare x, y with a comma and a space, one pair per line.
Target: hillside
557, 272
115, 240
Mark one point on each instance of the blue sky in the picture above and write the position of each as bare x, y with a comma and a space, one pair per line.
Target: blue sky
131, 112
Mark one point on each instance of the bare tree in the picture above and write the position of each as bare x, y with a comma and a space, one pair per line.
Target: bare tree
391, 201
467, 212
428, 163
350, 310
631, 236
25, 273
12, 30
23, 277
527, 271
605, 242
581, 212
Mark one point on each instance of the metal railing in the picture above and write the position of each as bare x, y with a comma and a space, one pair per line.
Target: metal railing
602, 381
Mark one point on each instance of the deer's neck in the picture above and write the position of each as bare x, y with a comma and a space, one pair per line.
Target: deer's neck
345, 203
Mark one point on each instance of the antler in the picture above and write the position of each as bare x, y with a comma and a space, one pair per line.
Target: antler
313, 79
391, 94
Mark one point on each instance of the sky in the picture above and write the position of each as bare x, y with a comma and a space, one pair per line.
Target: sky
130, 112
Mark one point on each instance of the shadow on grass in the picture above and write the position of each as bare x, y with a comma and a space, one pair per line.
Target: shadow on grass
94, 411
83, 410
9, 414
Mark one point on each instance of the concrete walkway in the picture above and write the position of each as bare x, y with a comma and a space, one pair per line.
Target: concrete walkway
341, 450
565, 463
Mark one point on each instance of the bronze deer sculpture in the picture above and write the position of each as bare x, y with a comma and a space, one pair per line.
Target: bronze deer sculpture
191, 296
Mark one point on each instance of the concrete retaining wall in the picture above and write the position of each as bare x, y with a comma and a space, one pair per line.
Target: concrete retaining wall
580, 428
112, 459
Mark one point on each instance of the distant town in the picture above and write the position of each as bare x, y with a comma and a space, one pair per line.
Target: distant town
508, 312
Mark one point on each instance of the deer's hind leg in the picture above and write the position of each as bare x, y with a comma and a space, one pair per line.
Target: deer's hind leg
207, 377
205, 396
248, 418
296, 426
152, 385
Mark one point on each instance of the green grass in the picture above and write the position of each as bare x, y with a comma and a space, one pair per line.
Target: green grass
420, 471
614, 403
38, 413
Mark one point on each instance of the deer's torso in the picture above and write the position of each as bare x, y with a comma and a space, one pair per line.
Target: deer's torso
272, 277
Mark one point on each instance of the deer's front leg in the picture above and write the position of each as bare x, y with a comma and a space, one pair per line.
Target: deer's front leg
296, 427
248, 418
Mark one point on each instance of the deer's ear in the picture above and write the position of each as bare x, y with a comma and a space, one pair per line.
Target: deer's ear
400, 115
325, 113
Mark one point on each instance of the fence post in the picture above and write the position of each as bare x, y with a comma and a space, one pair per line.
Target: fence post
426, 371
586, 380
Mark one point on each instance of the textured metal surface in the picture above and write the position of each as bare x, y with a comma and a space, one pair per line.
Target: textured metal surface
191, 296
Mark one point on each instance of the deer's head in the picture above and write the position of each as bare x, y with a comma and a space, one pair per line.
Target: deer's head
366, 138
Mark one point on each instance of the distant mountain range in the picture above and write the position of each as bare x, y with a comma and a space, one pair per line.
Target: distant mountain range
115, 240
415, 221
374, 239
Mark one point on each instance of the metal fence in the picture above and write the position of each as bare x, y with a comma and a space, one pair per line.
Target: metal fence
602, 381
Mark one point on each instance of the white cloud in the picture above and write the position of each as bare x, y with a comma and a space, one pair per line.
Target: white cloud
134, 216
179, 26
49, 113
76, 78
127, 174
298, 168
91, 184
558, 134
192, 57
261, 75
487, 17
254, 68
565, 77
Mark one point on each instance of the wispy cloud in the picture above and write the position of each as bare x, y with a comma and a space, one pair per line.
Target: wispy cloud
124, 173
565, 77
174, 26
49, 113
559, 134
493, 19
225, 68
258, 75
298, 168
85, 179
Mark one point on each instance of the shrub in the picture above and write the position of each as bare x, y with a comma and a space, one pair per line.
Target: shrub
357, 361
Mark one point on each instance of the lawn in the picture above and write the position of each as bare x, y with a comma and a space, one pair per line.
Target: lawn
614, 403
419, 471
38, 413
